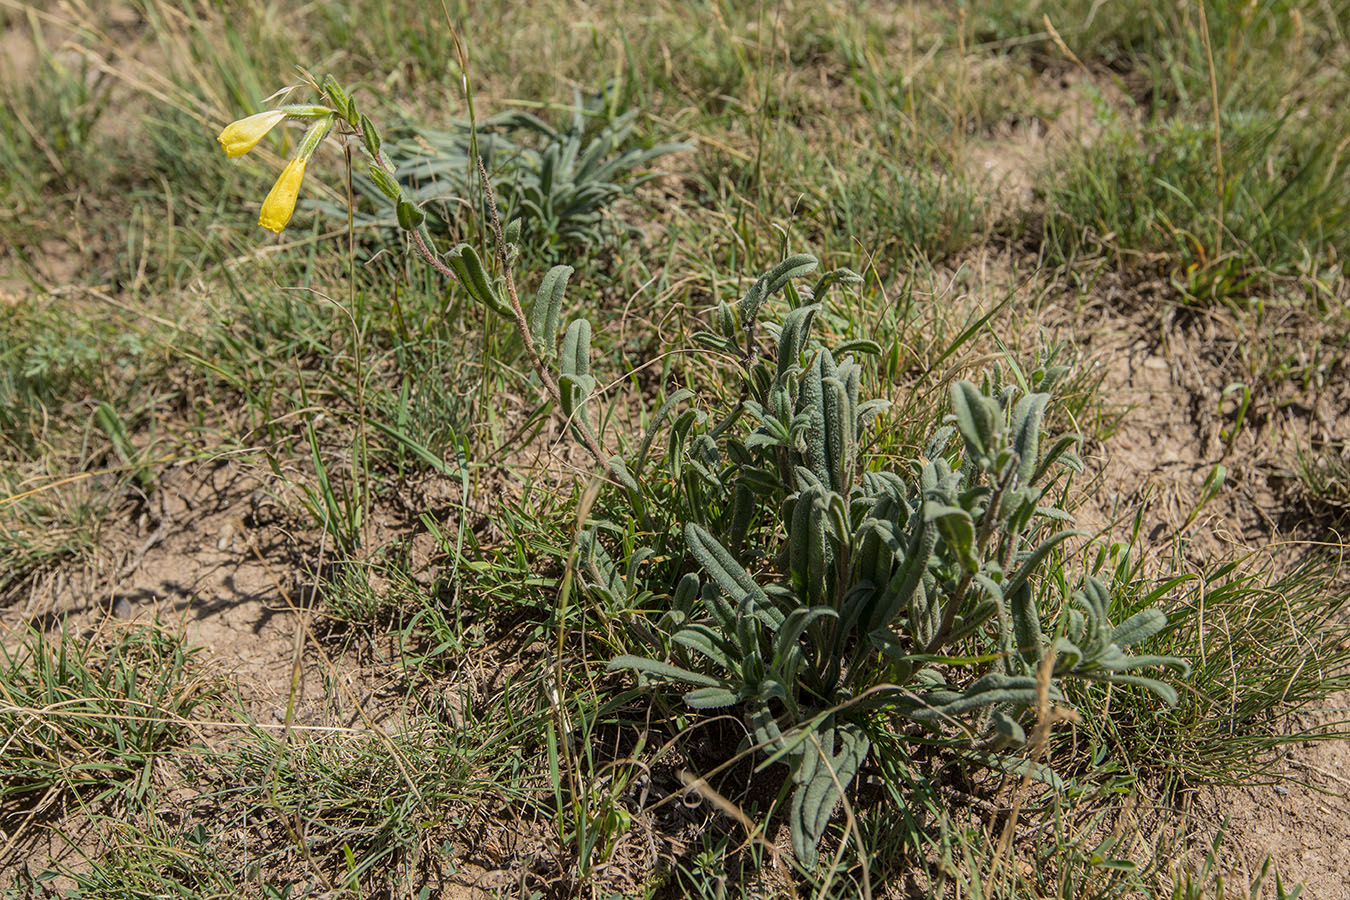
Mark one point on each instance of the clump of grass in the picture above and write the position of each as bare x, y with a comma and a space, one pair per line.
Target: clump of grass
380, 813
46, 135
1325, 481
899, 211
47, 365
1150, 197
1227, 187
366, 803
89, 716
40, 526
61, 383
153, 860
1261, 52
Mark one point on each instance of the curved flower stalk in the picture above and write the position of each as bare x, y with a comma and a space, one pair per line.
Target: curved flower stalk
241, 136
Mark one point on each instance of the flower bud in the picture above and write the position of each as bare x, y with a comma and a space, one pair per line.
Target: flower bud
371, 137
409, 216
385, 182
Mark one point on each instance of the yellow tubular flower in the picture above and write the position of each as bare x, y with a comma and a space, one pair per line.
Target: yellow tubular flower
280, 202
242, 136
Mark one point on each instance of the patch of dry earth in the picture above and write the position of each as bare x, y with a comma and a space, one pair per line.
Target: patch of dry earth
1171, 372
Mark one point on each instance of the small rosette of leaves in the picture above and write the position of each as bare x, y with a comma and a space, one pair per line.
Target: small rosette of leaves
558, 183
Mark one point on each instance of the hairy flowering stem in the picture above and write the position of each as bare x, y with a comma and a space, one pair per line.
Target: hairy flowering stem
418, 238
588, 439
420, 243
363, 130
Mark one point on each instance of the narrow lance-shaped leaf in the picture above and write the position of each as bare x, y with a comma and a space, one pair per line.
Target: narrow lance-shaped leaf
1026, 624
990, 689
673, 401
900, 593
1165, 692
799, 542
547, 308
958, 531
370, 137
840, 440
576, 383
619, 469
469, 269
576, 350
861, 345
708, 642
772, 281
833, 277
1033, 562
1008, 728
937, 444
1060, 452
734, 581
711, 698
1139, 627
742, 512
796, 624
818, 553
838, 753
410, 217
1027, 416
722, 611
793, 336
810, 403
794, 266
764, 727
976, 418
661, 669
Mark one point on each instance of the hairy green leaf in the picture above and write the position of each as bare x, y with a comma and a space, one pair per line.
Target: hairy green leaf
547, 310
660, 669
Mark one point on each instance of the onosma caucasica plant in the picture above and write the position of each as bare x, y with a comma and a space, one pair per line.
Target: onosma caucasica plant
885, 594
766, 562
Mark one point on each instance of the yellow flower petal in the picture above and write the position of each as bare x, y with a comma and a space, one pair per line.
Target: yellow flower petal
242, 136
280, 202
